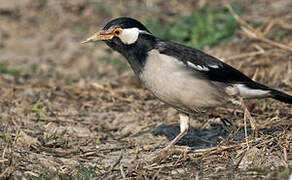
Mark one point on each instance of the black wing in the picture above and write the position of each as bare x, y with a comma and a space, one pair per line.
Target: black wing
213, 68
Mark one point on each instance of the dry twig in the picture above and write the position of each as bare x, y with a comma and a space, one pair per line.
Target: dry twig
252, 33
247, 115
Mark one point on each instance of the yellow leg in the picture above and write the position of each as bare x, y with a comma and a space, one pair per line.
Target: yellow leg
184, 128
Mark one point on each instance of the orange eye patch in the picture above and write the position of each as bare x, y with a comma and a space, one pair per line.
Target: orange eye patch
117, 32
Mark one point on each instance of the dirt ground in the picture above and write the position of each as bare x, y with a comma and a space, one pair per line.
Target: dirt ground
72, 111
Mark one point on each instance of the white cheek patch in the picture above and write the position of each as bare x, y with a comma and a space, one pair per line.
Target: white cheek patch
129, 36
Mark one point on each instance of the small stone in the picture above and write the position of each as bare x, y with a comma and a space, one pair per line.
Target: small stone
81, 131
177, 171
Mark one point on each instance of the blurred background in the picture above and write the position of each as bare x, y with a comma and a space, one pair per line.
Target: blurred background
59, 96
43, 36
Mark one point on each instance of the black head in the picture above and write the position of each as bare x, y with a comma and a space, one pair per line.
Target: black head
122, 33
125, 23
131, 34
129, 37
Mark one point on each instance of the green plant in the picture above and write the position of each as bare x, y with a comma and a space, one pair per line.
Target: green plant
37, 109
286, 172
4, 136
207, 26
11, 71
86, 173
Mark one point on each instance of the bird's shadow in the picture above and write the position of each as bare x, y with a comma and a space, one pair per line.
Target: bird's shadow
196, 138
200, 138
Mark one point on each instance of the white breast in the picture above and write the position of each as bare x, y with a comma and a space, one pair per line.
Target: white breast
171, 81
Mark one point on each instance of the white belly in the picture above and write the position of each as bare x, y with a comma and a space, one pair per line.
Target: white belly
172, 83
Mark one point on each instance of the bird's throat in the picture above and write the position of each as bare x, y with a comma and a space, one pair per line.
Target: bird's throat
137, 53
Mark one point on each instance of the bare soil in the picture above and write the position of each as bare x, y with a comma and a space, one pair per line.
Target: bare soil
71, 112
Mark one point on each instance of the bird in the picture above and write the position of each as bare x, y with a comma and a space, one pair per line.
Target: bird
182, 77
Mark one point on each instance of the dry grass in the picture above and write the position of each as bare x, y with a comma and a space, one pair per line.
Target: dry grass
67, 115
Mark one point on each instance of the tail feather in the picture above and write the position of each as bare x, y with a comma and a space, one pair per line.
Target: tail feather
280, 96
272, 93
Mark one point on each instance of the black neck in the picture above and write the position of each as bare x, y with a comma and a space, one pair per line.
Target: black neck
136, 53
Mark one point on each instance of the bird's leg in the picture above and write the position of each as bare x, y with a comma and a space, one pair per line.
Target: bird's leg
184, 128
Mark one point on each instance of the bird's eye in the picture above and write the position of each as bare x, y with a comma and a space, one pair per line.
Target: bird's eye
117, 32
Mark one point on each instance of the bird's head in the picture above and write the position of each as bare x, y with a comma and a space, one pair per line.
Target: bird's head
122, 33
130, 38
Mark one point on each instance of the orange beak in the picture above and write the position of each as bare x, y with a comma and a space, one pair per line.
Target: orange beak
99, 36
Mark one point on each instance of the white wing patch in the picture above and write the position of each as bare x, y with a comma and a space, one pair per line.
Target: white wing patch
247, 92
214, 66
197, 67
201, 67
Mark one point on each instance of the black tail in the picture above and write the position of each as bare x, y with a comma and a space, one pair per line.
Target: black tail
280, 96
273, 93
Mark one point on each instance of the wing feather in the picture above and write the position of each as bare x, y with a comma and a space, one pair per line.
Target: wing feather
207, 65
